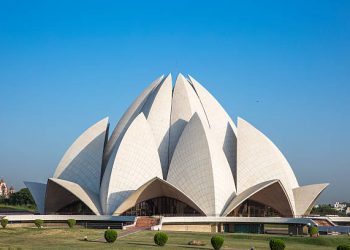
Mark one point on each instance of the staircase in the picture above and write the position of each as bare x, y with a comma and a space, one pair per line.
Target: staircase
146, 222
323, 222
142, 223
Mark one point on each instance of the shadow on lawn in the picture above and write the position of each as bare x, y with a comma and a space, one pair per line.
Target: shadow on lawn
95, 240
173, 245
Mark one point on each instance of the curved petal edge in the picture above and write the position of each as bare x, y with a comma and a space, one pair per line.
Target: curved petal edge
153, 189
133, 163
271, 193
200, 169
61, 193
306, 196
82, 162
38, 191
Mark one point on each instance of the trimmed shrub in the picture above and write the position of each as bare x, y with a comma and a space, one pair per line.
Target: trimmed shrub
111, 235
277, 244
39, 223
71, 223
313, 231
160, 238
343, 247
217, 242
4, 222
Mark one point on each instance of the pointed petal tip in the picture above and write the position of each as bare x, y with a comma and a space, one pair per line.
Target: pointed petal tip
180, 75
105, 119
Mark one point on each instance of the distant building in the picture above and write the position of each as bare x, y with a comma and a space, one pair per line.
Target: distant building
339, 206
4, 190
347, 210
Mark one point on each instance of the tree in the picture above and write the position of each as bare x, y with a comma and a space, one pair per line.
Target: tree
325, 210
22, 197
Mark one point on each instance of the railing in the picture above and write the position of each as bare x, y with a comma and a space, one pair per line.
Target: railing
332, 229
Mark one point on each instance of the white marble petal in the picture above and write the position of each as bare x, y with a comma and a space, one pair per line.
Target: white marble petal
220, 123
127, 118
259, 160
306, 196
133, 163
38, 191
271, 193
82, 162
153, 189
184, 104
70, 188
200, 170
157, 111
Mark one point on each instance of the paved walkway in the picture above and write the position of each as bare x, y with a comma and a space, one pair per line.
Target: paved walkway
132, 230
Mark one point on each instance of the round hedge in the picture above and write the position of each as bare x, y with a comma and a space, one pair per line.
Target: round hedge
4, 222
111, 235
343, 247
217, 242
313, 230
160, 238
39, 223
277, 244
71, 223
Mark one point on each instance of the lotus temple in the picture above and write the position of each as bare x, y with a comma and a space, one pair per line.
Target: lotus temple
175, 152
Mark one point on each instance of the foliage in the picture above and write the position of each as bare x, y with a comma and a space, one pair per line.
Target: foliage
17, 208
313, 230
160, 238
66, 238
326, 210
217, 242
4, 222
111, 235
277, 244
343, 247
71, 223
22, 197
39, 223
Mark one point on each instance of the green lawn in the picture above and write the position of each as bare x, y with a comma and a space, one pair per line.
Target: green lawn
50, 238
10, 208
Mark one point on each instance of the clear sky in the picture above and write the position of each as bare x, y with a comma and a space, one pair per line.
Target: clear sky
283, 66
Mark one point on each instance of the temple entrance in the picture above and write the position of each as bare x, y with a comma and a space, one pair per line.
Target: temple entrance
251, 208
164, 206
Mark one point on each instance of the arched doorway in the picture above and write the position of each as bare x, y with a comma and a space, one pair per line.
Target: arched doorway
250, 208
163, 205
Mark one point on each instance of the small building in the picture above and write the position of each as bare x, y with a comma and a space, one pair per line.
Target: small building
4, 190
340, 206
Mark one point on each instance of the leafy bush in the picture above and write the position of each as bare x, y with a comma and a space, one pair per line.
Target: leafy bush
313, 230
4, 222
160, 238
22, 197
277, 244
39, 223
343, 247
71, 223
217, 242
111, 235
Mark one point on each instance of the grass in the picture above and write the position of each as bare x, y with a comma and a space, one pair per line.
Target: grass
65, 238
11, 208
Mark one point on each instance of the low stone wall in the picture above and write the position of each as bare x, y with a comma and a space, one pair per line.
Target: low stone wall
205, 228
46, 225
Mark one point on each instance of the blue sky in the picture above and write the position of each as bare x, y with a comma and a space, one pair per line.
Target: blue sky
283, 66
